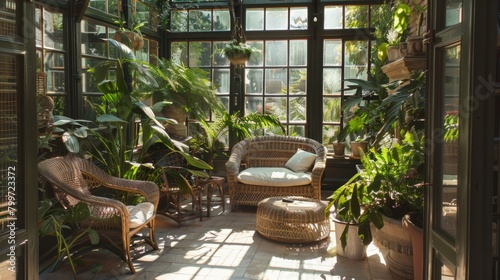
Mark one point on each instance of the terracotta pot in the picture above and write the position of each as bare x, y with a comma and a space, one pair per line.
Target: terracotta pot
339, 149
393, 53
417, 241
354, 250
357, 146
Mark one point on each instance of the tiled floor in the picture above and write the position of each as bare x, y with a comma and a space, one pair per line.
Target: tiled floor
226, 246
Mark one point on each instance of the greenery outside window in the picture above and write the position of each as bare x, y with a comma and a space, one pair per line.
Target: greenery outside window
50, 52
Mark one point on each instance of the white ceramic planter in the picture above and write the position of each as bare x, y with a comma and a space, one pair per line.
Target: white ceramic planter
354, 250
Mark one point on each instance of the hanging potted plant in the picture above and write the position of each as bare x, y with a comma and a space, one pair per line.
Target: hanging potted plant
237, 51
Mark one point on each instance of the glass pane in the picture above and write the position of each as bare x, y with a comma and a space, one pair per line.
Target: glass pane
450, 152
179, 21
298, 81
298, 109
54, 67
298, 53
276, 19
298, 18
356, 16
53, 30
109, 6
221, 78
89, 84
276, 53
333, 17
332, 109
253, 81
355, 60
276, 106
297, 130
453, 12
143, 54
253, 105
200, 20
332, 53
179, 52
222, 20
92, 35
38, 37
257, 57
146, 13
219, 59
330, 133
225, 101
200, 54
254, 19
276, 81
332, 81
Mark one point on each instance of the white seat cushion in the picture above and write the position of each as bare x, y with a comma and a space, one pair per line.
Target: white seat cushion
273, 176
140, 213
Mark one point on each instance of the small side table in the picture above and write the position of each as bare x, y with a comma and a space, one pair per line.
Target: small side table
212, 183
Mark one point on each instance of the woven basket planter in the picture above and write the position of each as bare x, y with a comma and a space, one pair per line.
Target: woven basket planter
238, 58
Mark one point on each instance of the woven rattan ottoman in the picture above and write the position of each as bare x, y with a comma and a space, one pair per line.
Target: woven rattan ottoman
300, 221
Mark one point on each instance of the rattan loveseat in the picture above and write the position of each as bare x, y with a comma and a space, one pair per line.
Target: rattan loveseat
269, 152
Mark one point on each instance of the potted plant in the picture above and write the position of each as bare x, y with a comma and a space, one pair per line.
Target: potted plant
237, 52
382, 193
401, 19
358, 147
339, 148
132, 37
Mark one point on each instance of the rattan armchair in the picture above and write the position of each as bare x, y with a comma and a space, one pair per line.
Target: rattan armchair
72, 178
272, 151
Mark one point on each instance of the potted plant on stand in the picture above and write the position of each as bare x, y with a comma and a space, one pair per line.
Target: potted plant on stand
392, 50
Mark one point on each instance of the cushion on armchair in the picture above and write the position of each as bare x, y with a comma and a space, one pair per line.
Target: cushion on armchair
273, 176
301, 161
140, 213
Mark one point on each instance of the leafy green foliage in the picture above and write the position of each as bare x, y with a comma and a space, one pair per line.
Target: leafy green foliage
53, 220
209, 141
387, 185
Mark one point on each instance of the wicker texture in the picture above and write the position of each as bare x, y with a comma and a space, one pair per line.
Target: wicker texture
272, 151
72, 178
290, 225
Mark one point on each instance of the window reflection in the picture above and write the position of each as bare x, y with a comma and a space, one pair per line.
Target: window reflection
450, 154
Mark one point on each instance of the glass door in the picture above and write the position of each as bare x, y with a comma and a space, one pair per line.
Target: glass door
18, 146
459, 135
